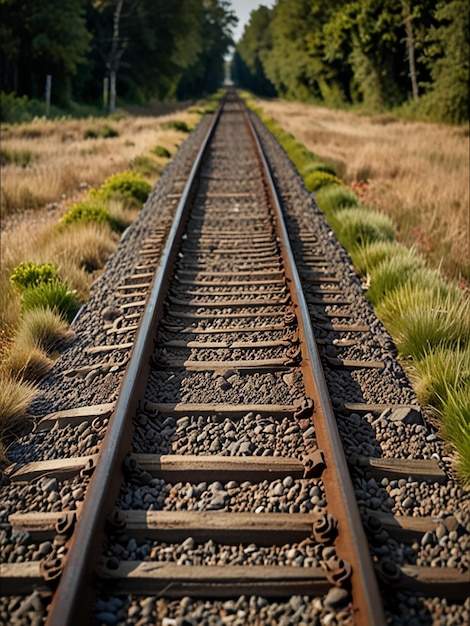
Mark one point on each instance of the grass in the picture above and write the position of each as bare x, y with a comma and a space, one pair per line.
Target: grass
416, 173
15, 398
427, 315
69, 170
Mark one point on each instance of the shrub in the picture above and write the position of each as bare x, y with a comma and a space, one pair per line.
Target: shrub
176, 125
317, 180
128, 184
30, 274
54, 295
14, 109
161, 151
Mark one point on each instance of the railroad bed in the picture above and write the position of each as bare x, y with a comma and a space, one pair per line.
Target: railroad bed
199, 456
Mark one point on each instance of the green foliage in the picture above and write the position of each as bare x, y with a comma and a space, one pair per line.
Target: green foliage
317, 180
176, 125
54, 295
317, 166
103, 132
362, 52
128, 184
17, 110
29, 274
161, 151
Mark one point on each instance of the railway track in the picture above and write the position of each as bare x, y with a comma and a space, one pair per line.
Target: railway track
222, 482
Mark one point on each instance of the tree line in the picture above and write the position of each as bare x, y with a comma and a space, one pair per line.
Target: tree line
93, 49
381, 54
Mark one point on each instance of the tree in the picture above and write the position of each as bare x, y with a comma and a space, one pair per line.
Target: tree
39, 38
252, 51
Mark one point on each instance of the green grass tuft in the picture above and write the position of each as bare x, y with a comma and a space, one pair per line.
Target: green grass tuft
391, 273
54, 295
161, 151
456, 419
176, 125
368, 256
361, 226
334, 198
128, 184
318, 179
420, 318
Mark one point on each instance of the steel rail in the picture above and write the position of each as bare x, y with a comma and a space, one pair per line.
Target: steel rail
351, 542
71, 604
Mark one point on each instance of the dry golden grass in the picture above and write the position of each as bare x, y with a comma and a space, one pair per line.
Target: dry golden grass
64, 162
417, 173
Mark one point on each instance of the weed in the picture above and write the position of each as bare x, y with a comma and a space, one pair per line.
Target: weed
103, 132
368, 256
16, 397
31, 274
89, 211
456, 419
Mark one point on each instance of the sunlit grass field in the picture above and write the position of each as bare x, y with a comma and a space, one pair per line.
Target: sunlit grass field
417, 173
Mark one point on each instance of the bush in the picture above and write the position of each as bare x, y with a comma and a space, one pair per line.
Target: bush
318, 179
161, 151
30, 274
54, 295
176, 125
17, 110
128, 184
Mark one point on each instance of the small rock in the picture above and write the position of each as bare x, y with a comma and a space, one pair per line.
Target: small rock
337, 598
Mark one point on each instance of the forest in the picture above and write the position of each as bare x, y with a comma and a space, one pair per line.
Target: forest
378, 54
95, 49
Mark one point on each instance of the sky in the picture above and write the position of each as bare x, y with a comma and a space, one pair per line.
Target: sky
243, 8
